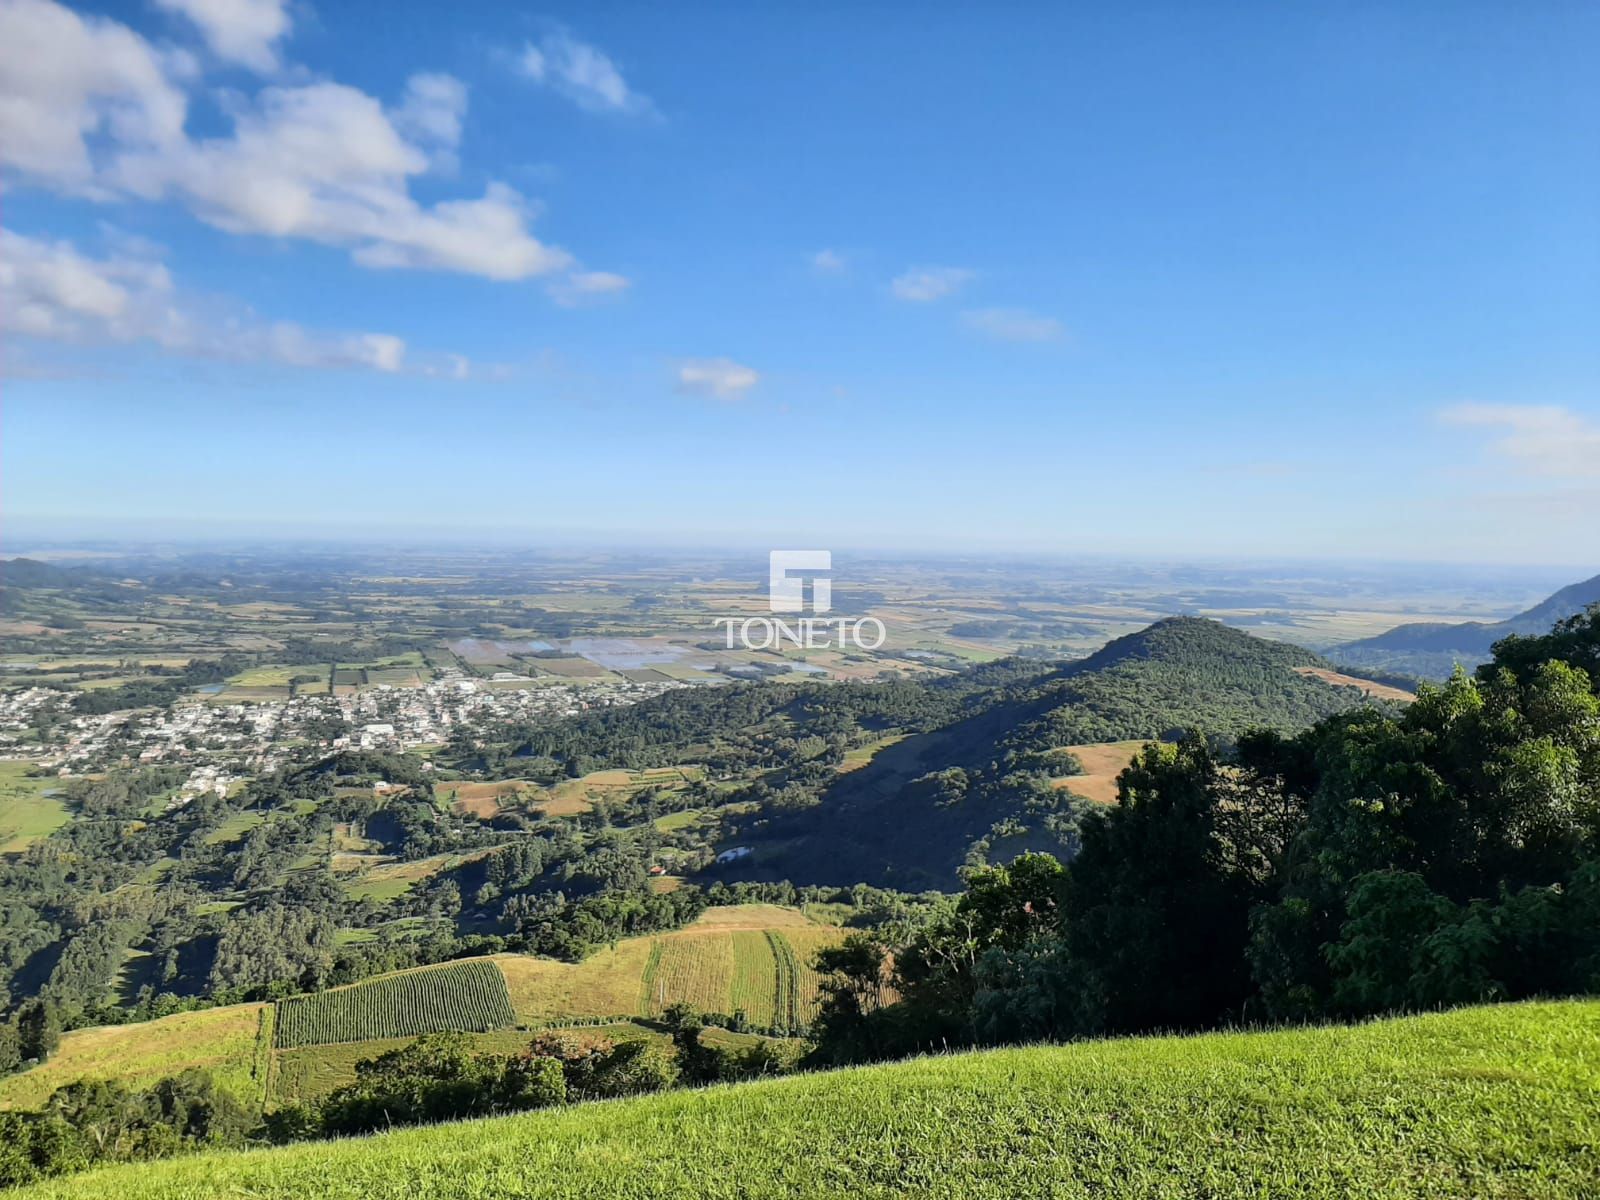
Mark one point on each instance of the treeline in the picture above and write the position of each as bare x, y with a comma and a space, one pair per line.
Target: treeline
1375, 862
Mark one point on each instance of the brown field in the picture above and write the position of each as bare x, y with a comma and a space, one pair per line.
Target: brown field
1378, 691
1102, 763
572, 796
480, 799
753, 916
572, 668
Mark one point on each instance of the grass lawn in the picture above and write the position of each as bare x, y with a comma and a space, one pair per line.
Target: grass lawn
677, 820
1480, 1103
26, 813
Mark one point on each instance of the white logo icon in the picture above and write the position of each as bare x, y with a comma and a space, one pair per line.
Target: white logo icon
787, 572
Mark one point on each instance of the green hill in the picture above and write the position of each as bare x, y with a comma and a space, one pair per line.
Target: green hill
1432, 649
981, 784
1484, 1102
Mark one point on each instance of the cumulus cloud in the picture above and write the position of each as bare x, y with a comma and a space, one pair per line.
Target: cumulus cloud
88, 106
51, 290
1543, 439
920, 285
66, 81
827, 262
1012, 325
581, 73
719, 378
238, 31
324, 162
588, 287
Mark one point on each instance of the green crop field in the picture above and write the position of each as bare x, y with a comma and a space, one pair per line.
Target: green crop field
464, 995
1477, 1103
230, 1043
26, 812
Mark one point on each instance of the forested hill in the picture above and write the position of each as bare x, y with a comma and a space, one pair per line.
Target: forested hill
903, 783
986, 787
1431, 649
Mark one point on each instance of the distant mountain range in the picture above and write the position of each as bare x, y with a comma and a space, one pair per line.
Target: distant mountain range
1432, 649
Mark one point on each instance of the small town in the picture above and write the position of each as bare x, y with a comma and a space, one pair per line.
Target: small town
224, 743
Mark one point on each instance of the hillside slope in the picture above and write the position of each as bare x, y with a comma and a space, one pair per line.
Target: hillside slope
1432, 649
755, 958
918, 809
1495, 1101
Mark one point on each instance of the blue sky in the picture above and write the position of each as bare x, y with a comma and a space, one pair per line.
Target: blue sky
1249, 279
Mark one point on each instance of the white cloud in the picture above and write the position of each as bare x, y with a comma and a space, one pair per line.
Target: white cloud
433, 109
828, 262
923, 284
238, 31
1543, 439
721, 378
89, 106
51, 290
324, 162
1013, 325
66, 80
588, 287
582, 73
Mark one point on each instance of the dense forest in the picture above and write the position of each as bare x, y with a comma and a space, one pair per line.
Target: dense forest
1375, 862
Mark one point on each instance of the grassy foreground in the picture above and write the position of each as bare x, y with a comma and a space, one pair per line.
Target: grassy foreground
1487, 1102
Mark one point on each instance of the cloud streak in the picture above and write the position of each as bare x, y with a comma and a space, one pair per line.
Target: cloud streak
1013, 325
583, 74
717, 378
53, 291
923, 285
1543, 440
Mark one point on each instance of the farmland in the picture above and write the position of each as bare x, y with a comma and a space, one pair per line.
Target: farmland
754, 957
1102, 762
230, 1042
463, 995
1478, 1102
27, 811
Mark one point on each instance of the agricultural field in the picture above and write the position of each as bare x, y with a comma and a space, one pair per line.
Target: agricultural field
232, 1043
1102, 762
481, 799
572, 796
384, 879
751, 956
1378, 691
467, 995
28, 811
1478, 1102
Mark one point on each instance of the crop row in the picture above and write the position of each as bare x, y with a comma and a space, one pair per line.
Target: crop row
466, 996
